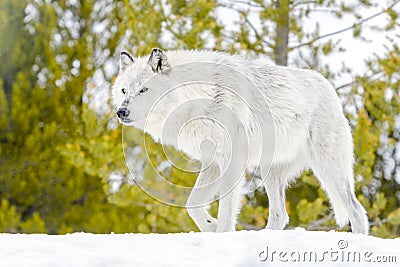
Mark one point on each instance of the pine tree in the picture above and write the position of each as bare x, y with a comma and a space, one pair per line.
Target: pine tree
47, 182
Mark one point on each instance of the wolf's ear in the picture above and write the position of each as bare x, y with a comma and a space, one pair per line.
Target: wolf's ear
158, 61
125, 60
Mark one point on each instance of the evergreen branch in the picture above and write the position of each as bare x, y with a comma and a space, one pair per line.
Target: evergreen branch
248, 22
248, 3
345, 85
379, 223
314, 225
356, 82
347, 28
255, 31
248, 226
303, 3
324, 10
168, 24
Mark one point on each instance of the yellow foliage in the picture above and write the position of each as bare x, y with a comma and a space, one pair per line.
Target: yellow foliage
34, 225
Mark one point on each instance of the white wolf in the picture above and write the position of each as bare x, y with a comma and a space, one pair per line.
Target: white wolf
286, 120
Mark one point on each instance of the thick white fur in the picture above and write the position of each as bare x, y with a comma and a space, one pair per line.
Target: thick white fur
305, 126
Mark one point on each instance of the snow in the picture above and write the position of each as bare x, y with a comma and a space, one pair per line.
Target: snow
245, 248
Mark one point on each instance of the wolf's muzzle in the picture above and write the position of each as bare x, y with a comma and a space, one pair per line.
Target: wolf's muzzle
123, 113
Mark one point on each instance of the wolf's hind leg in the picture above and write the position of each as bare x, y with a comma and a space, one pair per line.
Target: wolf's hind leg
275, 184
332, 164
339, 185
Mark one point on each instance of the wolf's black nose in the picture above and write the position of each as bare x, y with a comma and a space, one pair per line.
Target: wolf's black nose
122, 113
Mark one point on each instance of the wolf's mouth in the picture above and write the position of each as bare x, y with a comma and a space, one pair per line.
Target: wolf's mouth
130, 122
126, 121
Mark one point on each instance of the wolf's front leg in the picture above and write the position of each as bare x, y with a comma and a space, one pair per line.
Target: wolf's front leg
231, 181
202, 194
229, 207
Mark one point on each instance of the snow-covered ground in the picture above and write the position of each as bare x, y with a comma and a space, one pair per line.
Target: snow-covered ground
245, 248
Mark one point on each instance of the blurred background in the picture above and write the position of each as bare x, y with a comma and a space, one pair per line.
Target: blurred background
62, 168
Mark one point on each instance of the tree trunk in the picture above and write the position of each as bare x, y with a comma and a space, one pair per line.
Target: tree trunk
282, 31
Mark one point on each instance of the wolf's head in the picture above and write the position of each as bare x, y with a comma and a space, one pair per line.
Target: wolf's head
139, 85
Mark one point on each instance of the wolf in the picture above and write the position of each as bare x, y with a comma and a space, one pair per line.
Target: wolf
278, 119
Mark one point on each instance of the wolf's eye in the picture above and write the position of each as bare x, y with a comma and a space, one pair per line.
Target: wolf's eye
123, 90
144, 89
